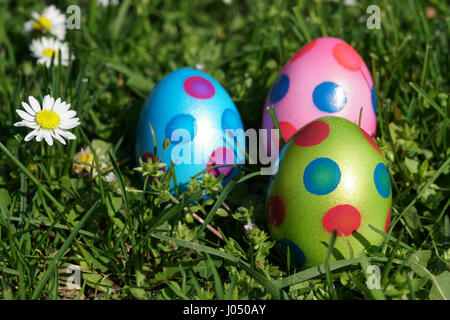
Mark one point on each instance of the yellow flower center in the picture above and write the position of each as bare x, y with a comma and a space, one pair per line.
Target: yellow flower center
48, 119
43, 23
49, 52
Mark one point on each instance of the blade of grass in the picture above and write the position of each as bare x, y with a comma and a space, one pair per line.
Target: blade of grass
31, 177
55, 261
217, 281
330, 285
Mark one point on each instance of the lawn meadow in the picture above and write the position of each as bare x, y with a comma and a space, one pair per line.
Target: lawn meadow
60, 212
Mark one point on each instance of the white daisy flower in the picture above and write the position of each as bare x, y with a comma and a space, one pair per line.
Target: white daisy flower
106, 3
52, 121
51, 20
43, 49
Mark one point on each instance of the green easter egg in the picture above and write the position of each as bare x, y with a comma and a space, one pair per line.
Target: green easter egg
331, 175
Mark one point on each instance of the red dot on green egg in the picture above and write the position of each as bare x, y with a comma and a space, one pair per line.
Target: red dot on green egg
388, 220
199, 87
321, 176
347, 57
279, 89
275, 211
304, 50
370, 140
287, 130
312, 134
329, 97
345, 218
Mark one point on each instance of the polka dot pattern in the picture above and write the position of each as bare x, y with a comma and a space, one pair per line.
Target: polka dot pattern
388, 220
279, 89
321, 176
374, 100
370, 140
329, 97
230, 120
304, 50
218, 157
382, 181
312, 134
199, 87
287, 130
345, 218
297, 257
185, 122
275, 211
347, 57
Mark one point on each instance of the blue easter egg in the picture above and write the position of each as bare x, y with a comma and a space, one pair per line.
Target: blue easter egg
193, 111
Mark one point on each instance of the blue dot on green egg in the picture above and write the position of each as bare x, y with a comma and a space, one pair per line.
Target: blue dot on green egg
382, 181
297, 257
321, 176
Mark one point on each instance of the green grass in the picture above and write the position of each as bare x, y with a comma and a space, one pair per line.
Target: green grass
132, 244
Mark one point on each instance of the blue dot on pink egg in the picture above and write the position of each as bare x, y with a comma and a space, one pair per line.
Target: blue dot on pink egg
279, 88
329, 97
199, 87
321, 176
382, 181
181, 122
374, 100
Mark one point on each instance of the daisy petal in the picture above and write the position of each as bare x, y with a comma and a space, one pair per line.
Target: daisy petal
48, 103
58, 137
67, 125
66, 134
28, 108
30, 136
25, 123
68, 114
25, 116
48, 138
34, 104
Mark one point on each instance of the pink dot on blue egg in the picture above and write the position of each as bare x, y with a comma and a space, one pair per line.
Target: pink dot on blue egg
297, 257
374, 100
321, 176
279, 88
221, 156
185, 122
382, 181
329, 97
199, 87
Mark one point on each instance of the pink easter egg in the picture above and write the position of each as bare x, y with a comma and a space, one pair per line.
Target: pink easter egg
327, 77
